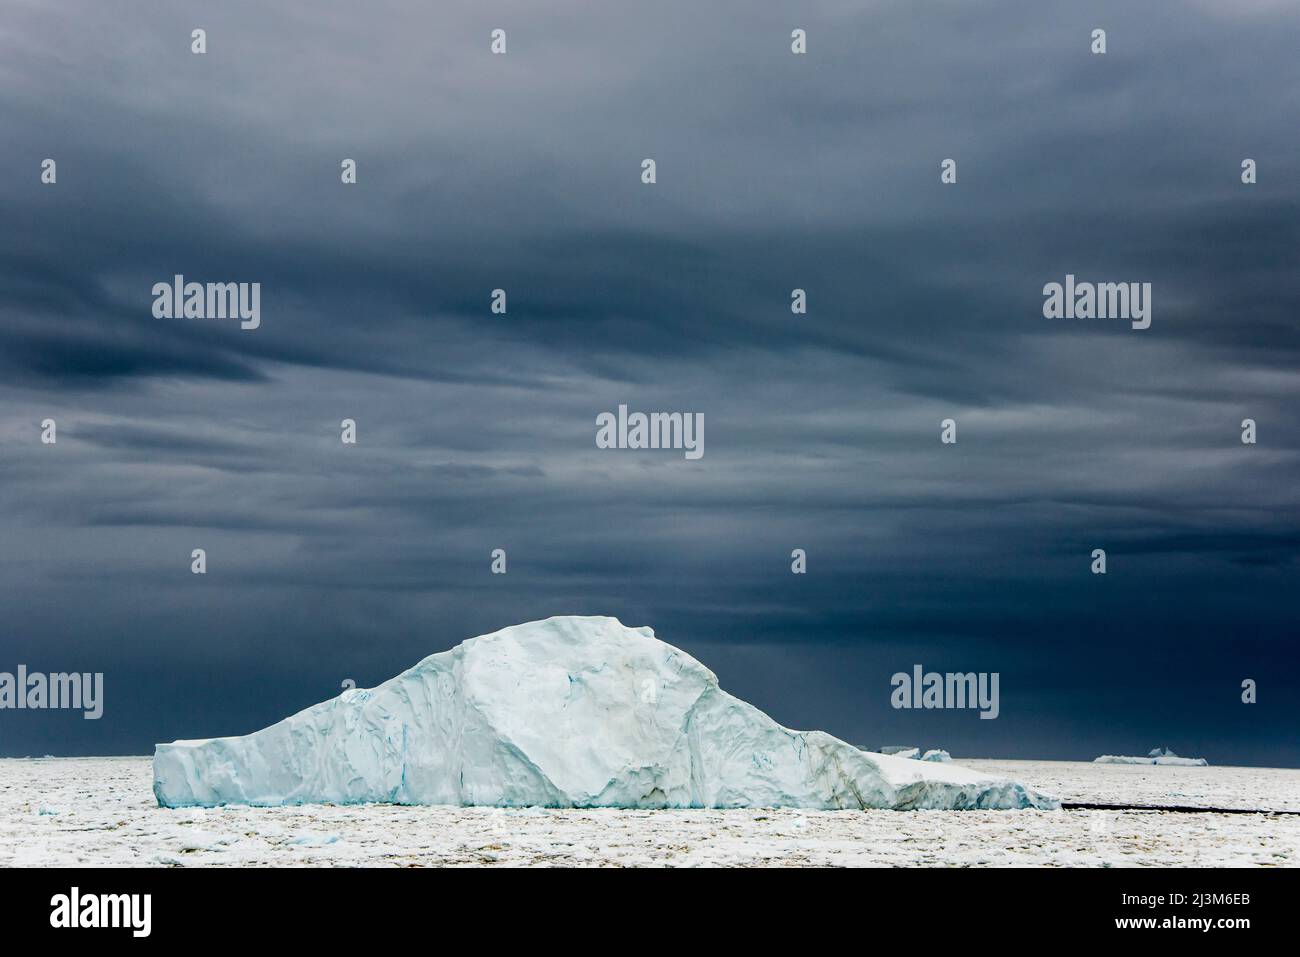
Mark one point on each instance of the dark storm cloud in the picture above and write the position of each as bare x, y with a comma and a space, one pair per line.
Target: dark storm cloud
477, 431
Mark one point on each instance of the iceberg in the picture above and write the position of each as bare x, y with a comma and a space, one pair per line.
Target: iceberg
566, 712
936, 754
912, 754
1162, 756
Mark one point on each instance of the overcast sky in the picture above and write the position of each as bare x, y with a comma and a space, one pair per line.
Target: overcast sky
477, 431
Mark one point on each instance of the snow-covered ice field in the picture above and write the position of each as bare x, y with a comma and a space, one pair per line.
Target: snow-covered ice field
101, 811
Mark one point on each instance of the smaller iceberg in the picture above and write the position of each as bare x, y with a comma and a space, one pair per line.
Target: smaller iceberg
910, 753
900, 751
1160, 756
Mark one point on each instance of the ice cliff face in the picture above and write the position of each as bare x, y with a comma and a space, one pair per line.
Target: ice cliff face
567, 712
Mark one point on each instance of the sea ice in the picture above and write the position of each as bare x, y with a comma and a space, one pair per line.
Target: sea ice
566, 712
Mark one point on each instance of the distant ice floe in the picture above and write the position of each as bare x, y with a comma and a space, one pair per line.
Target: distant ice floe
914, 754
566, 712
1154, 756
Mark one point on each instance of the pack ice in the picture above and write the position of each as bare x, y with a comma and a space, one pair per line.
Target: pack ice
566, 712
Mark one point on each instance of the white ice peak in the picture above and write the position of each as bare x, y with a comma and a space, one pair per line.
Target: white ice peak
566, 712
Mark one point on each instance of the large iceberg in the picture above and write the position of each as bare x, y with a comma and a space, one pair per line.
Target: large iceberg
567, 712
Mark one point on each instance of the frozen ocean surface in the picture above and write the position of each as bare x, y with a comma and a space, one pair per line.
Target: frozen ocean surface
101, 811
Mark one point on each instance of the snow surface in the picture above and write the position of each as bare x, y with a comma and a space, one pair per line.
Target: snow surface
566, 712
96, 812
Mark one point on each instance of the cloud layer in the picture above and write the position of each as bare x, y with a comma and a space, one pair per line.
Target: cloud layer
477, 431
